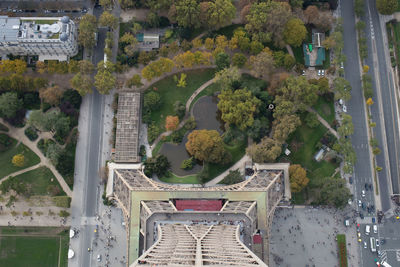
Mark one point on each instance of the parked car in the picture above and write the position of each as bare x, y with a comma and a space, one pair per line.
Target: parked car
359, 203
377, 242
344, 108
375, 228
351, 180
323, 72
366, 186
319, 72
363, 193
365, 245
341, 65
361, 215
363, 206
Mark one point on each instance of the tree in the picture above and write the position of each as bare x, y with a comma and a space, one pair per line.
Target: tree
259, 128
108, 20
265, 151
226, 77
238, 107
106, 3
19, 66
87, 29
365, 68
239, 60
104, 80
295, 32
298, 178
182, 80
296, 92
347, 127
359, 7
334, 192
188, 164
370, 102
284, 126
157, 68
127, 38
86, 67
82, 83
267, 21
342, 89
9, 104
53, 152
256, 47
158, 165
329, 42
136, 80
18, 160
220, 13
324, 21
262, 64
376, 151
188, 13
179, 109
288, 62
171, 123
151, 101
233, 177
310, 14
40, 67
222, 61
386, 7
207, 145
209, 43
51, 95
311, 120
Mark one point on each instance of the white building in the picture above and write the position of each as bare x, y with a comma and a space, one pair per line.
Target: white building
47, 37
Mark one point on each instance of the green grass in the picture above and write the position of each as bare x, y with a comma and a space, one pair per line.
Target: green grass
327, 61
33, 247
170, 93
237, 151
307, 139
341, 242
396, 27
38, 180
227, 31
298, 54
173, 179
6, 156
3, 128
325, 109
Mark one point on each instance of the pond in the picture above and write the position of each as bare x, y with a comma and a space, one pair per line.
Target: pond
207, 116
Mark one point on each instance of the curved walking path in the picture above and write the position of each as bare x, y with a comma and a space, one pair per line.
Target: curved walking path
325, 123
19, 135
238, 165
21, 172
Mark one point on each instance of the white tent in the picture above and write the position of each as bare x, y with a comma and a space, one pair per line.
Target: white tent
71, 253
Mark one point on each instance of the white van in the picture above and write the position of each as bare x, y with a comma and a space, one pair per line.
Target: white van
367, 229
375, 228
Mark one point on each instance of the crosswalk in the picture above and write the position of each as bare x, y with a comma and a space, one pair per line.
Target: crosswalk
383, 256
398, 255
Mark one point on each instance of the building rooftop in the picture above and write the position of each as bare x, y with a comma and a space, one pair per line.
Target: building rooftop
128, 119
9, 28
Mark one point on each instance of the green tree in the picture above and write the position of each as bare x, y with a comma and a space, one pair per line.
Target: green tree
87, 29
295, 32
220, 13
188, 13
347, 127
9, 104
226, 77
108, 20
104, 80
359, 7
386, 7
265, 151
238, 107
284, 126
82, 83
158, 165
298, 178
207, 145
342, 89
222, 61
311, 120
239, 60
256, 47
334, 192
53, 152
106, 3
151, 101
51, 95
136, 80
157, 68
233, 177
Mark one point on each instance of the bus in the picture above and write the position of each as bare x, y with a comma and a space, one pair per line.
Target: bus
373, 244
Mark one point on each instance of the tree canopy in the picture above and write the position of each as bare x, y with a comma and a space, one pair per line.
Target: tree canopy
220, 13
298, 178
265, 151
334, 192
238, 107
207, 145
87, 29
295, 32
386, 7
9, 104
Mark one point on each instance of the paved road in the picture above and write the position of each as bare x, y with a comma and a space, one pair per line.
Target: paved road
385, 111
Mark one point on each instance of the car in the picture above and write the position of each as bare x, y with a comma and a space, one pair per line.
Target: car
340, 101
377, 242
373, 219
349, 201
375, 228
383, 241
341, 65
366, 186
323, 72
365, 245
344, 109
359, 235
303, 73
372, 208
363, 206
319, 72
361, 215
359, 240
370, 187
351, 180
363, 193
359, 203
99, 258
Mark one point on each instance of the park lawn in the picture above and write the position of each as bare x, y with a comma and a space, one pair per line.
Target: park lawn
307, 138
39, 179
325, 109
33, 246
6, 156
170, 93
396, 27
173, 179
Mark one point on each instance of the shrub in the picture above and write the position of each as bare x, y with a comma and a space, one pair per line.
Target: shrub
63, 213
311, 120
233, 177
153, 132
188, 164
30, 132
5, 141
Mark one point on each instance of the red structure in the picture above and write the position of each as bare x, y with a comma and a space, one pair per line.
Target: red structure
199, 205
257, 239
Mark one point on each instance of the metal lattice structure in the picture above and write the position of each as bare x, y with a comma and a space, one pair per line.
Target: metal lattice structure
198, 245
127, 135
252, 201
